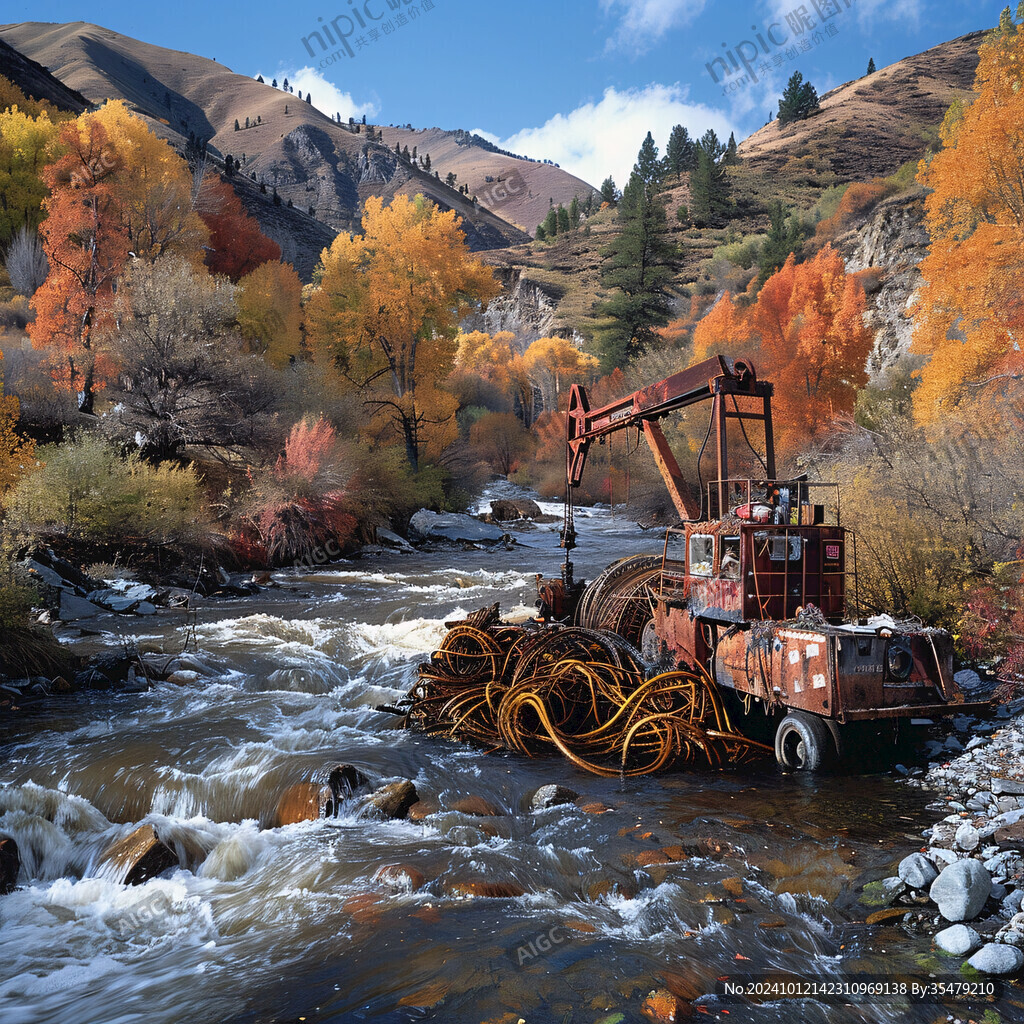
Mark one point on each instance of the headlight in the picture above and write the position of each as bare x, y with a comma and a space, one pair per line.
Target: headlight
898, 660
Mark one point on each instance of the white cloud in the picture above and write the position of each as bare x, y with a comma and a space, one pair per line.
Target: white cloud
642, 23
327, 97
598, 139
868, 12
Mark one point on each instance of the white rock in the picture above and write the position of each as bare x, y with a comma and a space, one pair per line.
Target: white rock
997, 958
958, 940
917, 871
961, 890
967, 837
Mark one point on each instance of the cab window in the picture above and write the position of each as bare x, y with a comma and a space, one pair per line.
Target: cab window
702, 554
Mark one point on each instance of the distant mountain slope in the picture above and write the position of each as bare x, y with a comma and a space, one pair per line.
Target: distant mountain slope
316, 164
869, 127
36, 82
521, 191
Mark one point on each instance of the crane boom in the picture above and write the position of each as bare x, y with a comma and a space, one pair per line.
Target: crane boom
714, 379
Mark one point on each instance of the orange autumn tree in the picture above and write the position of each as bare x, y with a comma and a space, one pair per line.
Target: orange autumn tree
386, 315
493, 358
805, 333
237, 246
970, 313
16, 453
86, 245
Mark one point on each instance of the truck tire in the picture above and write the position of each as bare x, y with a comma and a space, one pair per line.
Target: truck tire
802, 742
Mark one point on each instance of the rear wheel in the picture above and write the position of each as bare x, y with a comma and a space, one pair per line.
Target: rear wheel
802, 742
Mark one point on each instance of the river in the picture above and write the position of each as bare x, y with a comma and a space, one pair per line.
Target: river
763, 870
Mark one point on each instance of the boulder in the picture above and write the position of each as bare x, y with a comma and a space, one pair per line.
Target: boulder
73, 607
454, 528
394, 799
961, 890
958, 940
1008, 787
967, 679
967, 837
917, 871
389, 539
10, 864
997, 958
508, 509
476, 806
551, 796
137, 857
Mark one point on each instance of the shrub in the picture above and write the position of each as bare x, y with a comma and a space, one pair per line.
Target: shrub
87, 490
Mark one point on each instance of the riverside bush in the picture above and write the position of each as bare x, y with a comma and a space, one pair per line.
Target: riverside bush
87, 490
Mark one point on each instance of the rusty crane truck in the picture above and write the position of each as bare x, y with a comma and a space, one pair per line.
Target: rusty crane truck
755, 581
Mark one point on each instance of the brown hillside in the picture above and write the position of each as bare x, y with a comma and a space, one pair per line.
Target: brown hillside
521, 191
36, 82
311, 161
869, 127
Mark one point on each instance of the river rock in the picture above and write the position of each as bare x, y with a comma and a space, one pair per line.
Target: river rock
401, 877
957, 940
997, 958
508, 509
967, 679
10, 864
304, 801
917, 871
551, 796
961, 890
1008, 787
394, 799
73, 607
454, 527
389, 539
967, 837
422, 809
137, 857
477, 806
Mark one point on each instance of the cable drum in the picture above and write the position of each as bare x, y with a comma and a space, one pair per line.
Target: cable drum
618, 600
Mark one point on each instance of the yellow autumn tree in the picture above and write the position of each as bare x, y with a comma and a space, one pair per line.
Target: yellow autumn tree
493, 358
555, 364
269, 302
969, 317
27, 144
386, 315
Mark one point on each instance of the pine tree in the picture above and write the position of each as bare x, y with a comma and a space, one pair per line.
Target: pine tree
574, 213
405, 153
238, 127
709, 186
259, 78
799, 101
309, 98
732, 155
680, 153
563, 219
541, 233
609, 193
273, 84
550, 224
640, 263
426, 162
871, 66
785, 236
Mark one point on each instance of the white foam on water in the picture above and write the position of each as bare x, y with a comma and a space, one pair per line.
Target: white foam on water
399, 641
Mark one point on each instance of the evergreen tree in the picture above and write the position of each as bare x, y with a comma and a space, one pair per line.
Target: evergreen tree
799, 101
247, 122
364, 119
574, 213
309, 98
639, 264
300, 94
550, 224
286, 88
680, 153
237, 126
426, 162
785, 236
732, 155
259, 78
414, 152
541, 233
450, 179
286, 108
709, 186
563, 219
871, 66
273, 84
609, 193
398, 149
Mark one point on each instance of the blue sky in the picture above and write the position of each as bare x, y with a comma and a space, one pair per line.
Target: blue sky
578, 81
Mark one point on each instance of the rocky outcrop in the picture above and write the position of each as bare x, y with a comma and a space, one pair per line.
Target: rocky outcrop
894, 241
523, 307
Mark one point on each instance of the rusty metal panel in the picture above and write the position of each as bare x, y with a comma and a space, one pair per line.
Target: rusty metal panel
803, 669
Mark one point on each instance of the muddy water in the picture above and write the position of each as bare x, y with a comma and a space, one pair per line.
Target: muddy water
753, 871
